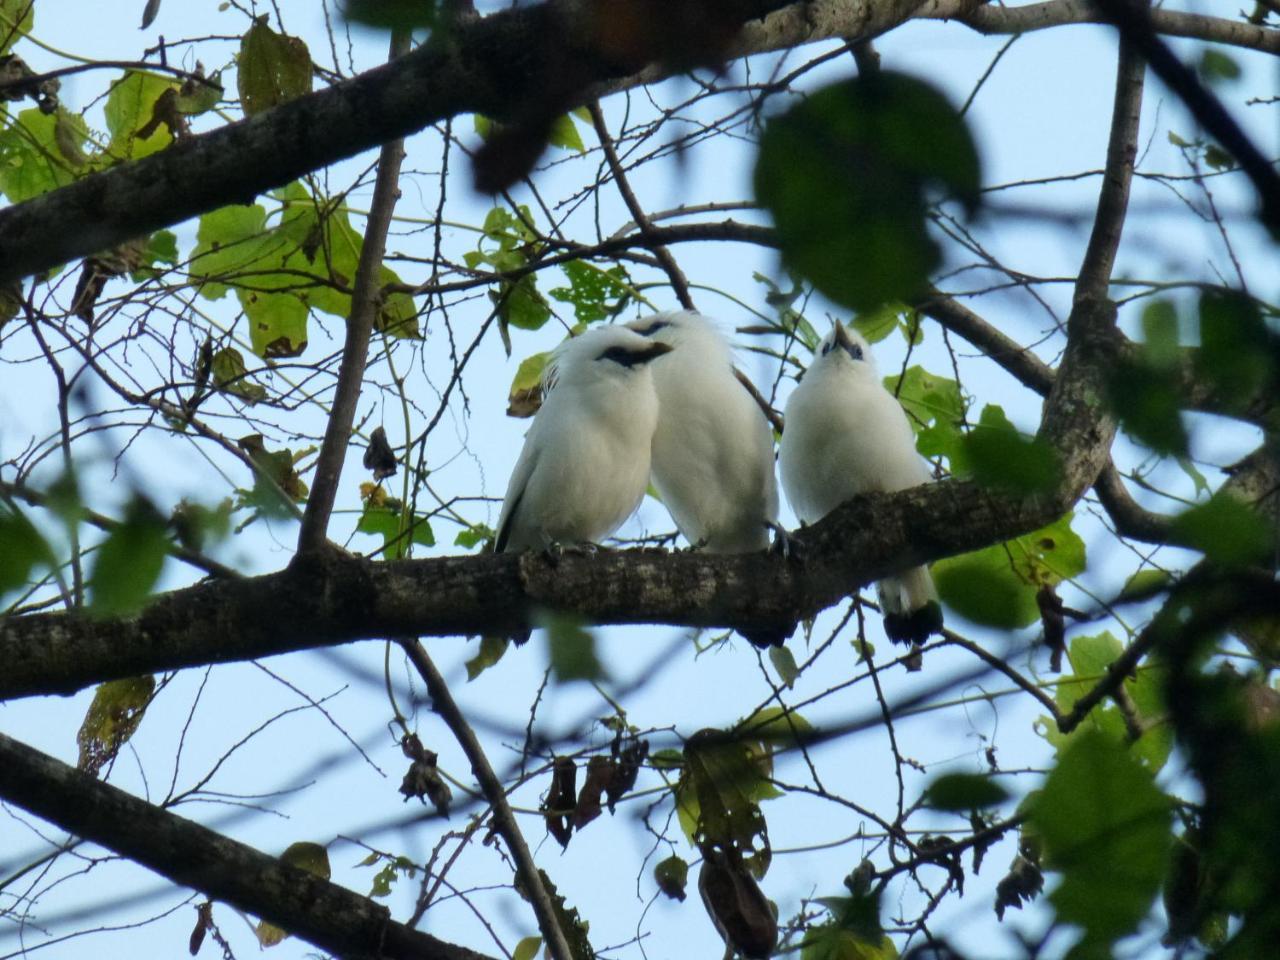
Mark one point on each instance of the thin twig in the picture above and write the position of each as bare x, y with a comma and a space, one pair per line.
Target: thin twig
679, 283
504, 819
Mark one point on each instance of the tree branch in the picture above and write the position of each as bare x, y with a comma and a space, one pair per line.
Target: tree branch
496, 65
366, 301
504, 819
320, 912
679, 282
989, 19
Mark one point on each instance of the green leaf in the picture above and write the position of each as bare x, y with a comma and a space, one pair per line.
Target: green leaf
997, 586
473, 536
934, 407
16, 19
1217, 67
672, 875
271, 68
397, 15
277, 323
595, 293
791, 320
112, 718
962, 792
784, 662
848, 175
386, 517
310, 857
1147, 401
564, 134
31, 161
1226, 530
1144, 584
717, 796
1218, 158
1105, 827
525, 396
527, 948
275, 481
391, 870
1089, 657
875, 325
997, 455
197, 526
161, 247
490, 652
229, 240
24, 550
852, 933
196, 97
127, 564
1160, 332
571, 647
1237, 353
131, 109
231, 376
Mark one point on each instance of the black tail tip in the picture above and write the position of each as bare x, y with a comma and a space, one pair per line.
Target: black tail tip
916, 626
766, 637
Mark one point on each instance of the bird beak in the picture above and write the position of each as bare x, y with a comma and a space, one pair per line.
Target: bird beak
842, 337
653, 351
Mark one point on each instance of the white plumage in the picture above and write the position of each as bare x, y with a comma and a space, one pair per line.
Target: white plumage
845, 435
585, 463
713, 447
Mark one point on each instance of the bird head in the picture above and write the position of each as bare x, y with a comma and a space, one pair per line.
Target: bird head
601, 353
843, 348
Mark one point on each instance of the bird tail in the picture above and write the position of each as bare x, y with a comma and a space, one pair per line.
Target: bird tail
910, 604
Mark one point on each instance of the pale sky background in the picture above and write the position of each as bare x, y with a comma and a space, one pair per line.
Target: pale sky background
1044, 112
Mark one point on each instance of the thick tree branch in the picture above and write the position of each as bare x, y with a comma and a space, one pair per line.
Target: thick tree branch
993, 19
366, 301
504, 818
498, 65
320, 912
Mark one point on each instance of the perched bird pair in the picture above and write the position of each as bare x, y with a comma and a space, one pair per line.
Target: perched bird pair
612, 418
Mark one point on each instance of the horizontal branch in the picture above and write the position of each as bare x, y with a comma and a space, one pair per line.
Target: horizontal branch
336, 598
501, 65
322, 913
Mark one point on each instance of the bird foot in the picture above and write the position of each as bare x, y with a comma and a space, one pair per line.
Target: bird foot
784, 544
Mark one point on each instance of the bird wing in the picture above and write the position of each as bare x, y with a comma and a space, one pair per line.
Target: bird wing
516, 488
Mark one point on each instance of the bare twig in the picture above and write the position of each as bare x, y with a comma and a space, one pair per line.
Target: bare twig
504, 819
679, 283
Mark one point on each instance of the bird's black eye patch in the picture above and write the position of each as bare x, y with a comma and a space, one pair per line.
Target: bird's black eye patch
855, 351
652, 328
826, 346
621, 355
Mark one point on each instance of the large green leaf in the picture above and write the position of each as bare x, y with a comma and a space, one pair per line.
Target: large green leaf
848, 175
934, 407
997, 585
1228, 531
16, 19
1105, 827
127, 564
33, 150
24, 549
996, 454
131, 115
272, 68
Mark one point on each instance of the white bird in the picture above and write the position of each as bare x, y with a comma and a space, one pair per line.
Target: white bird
713, 447
585, 463
846, 434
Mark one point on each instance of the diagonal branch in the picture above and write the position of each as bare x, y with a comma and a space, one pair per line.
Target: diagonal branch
504, 818
320, 912
366, 301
